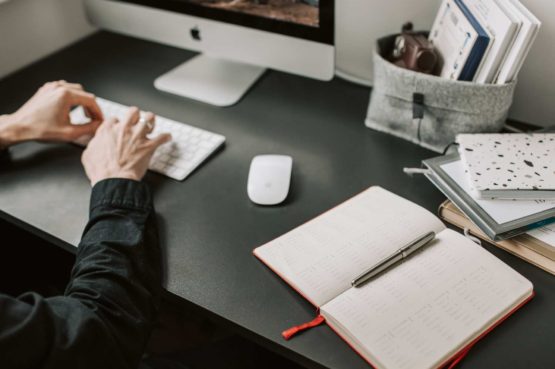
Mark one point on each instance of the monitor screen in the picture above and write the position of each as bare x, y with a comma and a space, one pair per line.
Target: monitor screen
304, 12
307, 19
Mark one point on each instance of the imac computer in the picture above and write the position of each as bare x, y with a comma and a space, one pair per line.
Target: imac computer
237, 40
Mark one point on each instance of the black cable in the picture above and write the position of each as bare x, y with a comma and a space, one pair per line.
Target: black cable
448, 147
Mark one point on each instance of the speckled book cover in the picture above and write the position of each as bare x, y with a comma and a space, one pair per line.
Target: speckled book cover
510, 165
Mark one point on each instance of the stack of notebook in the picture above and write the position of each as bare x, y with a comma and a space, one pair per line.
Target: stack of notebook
502, 188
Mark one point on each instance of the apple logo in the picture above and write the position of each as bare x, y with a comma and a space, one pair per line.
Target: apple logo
195, 33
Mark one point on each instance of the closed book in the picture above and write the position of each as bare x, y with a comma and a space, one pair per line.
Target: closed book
522, 44
481, 45
453, 37
526, 246
509, 166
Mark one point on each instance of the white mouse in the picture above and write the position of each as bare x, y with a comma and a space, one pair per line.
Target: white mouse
269, 179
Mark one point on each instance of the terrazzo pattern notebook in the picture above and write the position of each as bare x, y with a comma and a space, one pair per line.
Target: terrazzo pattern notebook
510, 166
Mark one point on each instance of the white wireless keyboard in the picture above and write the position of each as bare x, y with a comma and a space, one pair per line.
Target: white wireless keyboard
190, 146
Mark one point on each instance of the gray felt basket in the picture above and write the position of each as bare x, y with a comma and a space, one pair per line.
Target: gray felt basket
430, 110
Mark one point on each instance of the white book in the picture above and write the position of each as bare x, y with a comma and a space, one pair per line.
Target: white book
522, 44
453, 37
502, 26
423, 313
546, 234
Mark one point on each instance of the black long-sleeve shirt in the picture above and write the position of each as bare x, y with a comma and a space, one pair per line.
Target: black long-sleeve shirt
105, 317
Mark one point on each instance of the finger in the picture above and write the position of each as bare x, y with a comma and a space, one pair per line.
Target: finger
145, 125
108, 122
71, 86
111, 120
150, 120
49, 86
159, 140
93, 114
75, 131
131, 117
86, 100
57, 84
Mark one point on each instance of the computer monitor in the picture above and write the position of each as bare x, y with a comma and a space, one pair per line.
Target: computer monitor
237, 40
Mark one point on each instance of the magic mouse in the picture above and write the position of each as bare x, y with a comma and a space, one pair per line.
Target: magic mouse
269, 178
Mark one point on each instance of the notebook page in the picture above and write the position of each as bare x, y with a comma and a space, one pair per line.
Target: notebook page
425, 310
321, 257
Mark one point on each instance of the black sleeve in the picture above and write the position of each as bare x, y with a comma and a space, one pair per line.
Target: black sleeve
4, 156
107, 313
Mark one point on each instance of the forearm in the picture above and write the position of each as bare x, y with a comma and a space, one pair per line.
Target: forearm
106, 315
118, 266
121, 241
11, 132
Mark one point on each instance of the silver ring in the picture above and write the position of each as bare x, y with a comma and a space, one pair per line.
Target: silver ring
148, 123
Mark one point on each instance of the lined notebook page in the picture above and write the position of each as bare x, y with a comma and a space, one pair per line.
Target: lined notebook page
425, 310
321, 257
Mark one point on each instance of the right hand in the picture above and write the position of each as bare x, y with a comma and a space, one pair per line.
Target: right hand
121, 149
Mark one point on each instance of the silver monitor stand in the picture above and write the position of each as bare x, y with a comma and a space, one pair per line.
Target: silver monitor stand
211, 80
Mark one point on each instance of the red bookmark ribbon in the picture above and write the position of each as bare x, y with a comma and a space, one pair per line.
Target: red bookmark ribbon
287, 334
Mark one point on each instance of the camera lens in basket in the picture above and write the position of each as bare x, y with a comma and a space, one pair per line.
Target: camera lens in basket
426, 61
412, 50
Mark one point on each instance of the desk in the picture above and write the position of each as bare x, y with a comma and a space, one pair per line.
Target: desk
209, 227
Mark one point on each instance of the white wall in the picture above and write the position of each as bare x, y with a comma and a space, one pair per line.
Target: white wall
32, 29
360, 22
535, 94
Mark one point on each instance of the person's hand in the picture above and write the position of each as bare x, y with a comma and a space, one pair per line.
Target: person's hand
121, 149
45, 116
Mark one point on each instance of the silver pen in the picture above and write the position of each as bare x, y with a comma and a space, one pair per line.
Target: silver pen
393, 259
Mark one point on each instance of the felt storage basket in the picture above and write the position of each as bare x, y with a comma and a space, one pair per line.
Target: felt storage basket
430, 110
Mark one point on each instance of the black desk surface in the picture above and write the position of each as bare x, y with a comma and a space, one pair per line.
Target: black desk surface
208, 225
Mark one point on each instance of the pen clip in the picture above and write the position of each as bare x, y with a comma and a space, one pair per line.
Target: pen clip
418, 244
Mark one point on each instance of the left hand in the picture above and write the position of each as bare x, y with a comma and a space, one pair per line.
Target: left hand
45, 116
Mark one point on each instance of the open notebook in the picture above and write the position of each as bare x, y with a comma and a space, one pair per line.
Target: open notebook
423, 313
